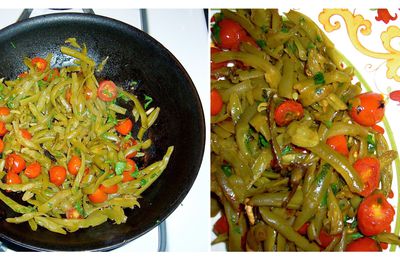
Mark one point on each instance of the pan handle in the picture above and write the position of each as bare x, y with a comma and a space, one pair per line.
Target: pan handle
26, 13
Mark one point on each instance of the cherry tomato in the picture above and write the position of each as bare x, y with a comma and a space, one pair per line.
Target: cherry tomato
378, 129
325, 239
303, 229
367, 109
98, 196
368, 169
216, 102
53, 74
73, 213
109, 190
287, 111
4, 111
1, 145
374, 215
131, 142
363, 244
33, 170
40, 64
74, 164
124, 127
25, 134
58, 174
127, 175
15, 163
221, 226
228, 34
13, 178
107, 91
23, 75
339, 144
214, 65
3, 129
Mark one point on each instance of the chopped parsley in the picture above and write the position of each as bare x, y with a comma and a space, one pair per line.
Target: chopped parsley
261, 43
319, 78
120, 167
284, 29
13, 45
148, 100
41, 83
286, 150
135, 174
335, 188
262, 142
133, 83
143, 182
319, 39
328, 123
356, 236
371, 143
227, 169
123, 96
79, 208
112, 119
128, 136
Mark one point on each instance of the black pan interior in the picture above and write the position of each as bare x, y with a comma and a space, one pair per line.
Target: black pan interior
133, 56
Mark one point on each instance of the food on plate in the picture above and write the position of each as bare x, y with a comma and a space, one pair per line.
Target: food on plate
71, 158
298, 162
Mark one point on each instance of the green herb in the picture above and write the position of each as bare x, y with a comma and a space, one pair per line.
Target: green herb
128, 136
143, 182
264, 28
237, 229
371, 143
120, 167
354, 223
319, 39
41, 83
262, 142
133, 83
112, 119
107, 93
13, 45
286, 150
135, 174
216, 30
227, 169
79, 208
310, 46
319, 78
148, 100
324, 200
335, 188
284, 28
2, 86
292, 47
123, 96
356, 236
328, 123
10, 102
261, 43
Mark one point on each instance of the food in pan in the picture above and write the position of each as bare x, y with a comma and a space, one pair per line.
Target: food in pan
298, 160
69, 148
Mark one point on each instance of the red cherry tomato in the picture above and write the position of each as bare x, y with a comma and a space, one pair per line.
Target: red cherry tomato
367, 109
13, 178
54, 73
98, 196
73, 213
4, 111
368, 169
287, 111
124, 127
40, 64
109, 190
228, 34
374, 215
131, 142
3, 129
303, 229
339, 144
58, 174
74, 164
325, 239
107, 91
33, 170
1, 146
221, 226
216, 102
363, 244
127, 175
15, 163
378, 129
25, 134
215, 65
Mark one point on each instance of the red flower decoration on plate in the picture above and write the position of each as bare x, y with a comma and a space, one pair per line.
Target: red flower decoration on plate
385, 16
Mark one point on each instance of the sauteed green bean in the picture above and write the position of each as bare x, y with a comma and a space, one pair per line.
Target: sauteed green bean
68, 146
298, 162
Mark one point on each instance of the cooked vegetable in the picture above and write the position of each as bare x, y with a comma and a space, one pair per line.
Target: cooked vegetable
363, 244
65, 154
296, 154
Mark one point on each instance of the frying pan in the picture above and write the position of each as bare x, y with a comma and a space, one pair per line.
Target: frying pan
133, 56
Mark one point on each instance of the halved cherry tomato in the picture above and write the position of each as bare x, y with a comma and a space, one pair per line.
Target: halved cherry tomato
40, 64
74, 164
107, 91
25, 134
303, 229
14, 163
124, 127
374, 215
338, 143
325, 239
228, 34
368, 169
287, 111
98, 196
3, 129
109, 190
33, 170
58, 174
1, 145
367, 109
73, 213
216, 102
378, 129
221, 226
4, 111
23, 75
131, 142
54, 73
68, 95
127, 175
13, 178
363, 244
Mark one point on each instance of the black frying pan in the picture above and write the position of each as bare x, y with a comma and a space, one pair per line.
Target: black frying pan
133, 55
